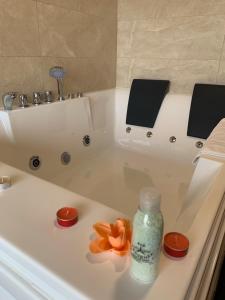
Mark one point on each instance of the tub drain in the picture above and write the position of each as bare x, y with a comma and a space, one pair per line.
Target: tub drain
86, 140
35, 163
65, 158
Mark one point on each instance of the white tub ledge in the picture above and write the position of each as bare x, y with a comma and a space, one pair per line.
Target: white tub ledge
40, 261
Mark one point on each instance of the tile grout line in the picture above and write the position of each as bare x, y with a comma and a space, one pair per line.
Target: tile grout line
168, 58
119, 57
39, 40
38, 27
168, 17
46, 56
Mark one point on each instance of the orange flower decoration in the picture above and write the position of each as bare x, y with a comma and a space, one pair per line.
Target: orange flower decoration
112, 237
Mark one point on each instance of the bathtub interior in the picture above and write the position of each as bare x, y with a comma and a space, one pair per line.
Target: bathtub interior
115, 176
111, 170
116, 164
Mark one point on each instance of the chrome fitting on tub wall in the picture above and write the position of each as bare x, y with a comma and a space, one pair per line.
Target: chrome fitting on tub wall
48, 97
58, 73
79, 94
199, 144
149, 134
70, 96
86, 140
73, 95
37, 98
35, 163
172, 139
23, 101
128, 130
8, 100
65, 158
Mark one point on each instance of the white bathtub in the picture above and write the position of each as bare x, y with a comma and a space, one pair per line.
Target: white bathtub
112, 170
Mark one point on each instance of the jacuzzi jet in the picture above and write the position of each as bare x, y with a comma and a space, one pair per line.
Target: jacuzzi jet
149, 134
199, 144
34, 163
86, 140
65, 158
172, 139
128, 130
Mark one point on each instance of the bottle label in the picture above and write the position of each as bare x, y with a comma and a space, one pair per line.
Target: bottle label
142, 254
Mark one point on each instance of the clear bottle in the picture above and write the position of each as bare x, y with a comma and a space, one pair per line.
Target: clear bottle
147, 237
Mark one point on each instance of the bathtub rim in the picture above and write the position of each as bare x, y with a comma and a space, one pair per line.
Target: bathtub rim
221, 173
200, 284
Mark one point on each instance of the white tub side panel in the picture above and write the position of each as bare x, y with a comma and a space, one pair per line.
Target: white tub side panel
51, 129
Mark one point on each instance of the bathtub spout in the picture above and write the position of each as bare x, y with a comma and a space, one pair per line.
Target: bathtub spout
7, 100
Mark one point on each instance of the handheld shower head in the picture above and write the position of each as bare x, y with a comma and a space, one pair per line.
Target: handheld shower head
58, 73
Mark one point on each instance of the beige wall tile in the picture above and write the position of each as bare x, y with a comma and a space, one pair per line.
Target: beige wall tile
223, 50
182, 73
76, 35
221, 73
64, 38
136, 9
81, 74
123, 76
178, 8
215, 7
179, 38
20, 74
70, 4
19, 28
100, 8
106, 8
145, 9
35, 34
74, 73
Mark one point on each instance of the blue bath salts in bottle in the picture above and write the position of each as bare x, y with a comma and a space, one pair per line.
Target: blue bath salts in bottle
147, 237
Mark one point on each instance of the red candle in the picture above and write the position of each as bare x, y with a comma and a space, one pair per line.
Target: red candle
176, 244
67, 216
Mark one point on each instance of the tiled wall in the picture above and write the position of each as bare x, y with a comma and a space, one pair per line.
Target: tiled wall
180, 40
80, 35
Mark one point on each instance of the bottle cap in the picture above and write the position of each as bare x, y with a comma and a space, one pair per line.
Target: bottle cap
150, 199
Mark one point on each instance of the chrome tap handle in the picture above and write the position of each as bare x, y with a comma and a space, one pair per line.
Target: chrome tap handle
48, 97
79, 94
70, 96
23, 101
36, 98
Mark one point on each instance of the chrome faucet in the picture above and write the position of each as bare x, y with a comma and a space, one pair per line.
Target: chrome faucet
48, 98
8, 99
23, 101
37, 98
